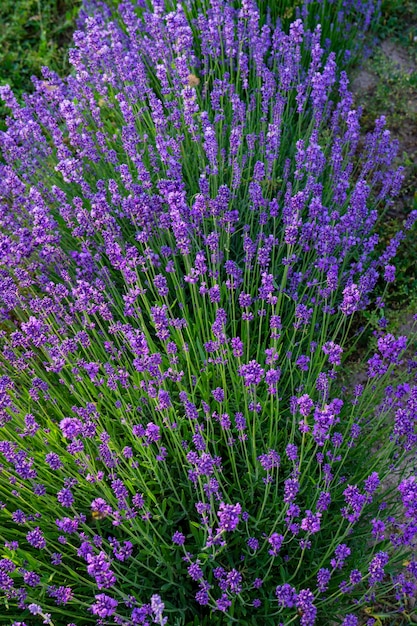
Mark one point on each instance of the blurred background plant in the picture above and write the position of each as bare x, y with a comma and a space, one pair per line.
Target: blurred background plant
34, 33
386, 84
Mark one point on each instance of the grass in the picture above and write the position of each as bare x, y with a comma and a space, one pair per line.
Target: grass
399, 21
34, 33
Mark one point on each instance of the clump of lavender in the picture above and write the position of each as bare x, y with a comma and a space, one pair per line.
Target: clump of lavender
187, 230
345, 24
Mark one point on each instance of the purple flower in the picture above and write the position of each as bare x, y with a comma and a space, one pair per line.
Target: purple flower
138, 500
391, 348
65, 497
18, 517
164, 400
122, 552
161, 285
355, 577
39, 490
184, 196
228, 515
389, 273
152, 433
305, 605
341, 552
99, 568
323, 501
305, 404
219, 573
334, 351
158, 607
67, 525
276, 541
272, 377
178, 538
302, 362
224, 420
292, 452
287, 596
56, 558
162, 454
240, 421
253, 543
35, 609
355, 502
53, 461
323, 578
270, 460
372, 483
408, 491
234, 581
195, 571
237, 347
302, 315
214, 294
311, 522
252, 372
376, 567
6, 565
202, 597
104, 606
211, 148
31, 579
223, 603
291, 488
376, 366
62, 594
36, 539
218, 394
98, 505
245, 299
351, 299
71, 427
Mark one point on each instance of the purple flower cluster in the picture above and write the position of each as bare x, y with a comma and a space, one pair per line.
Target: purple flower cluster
376, 567
99, 568
104, 606
229, 516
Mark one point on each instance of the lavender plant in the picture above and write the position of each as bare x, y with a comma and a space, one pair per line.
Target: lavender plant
345, 24
188, 227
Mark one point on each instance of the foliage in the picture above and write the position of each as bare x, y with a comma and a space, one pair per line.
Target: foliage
34, 33
399, 20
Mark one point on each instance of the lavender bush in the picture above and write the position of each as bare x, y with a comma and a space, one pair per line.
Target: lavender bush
345, 23
187, 231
